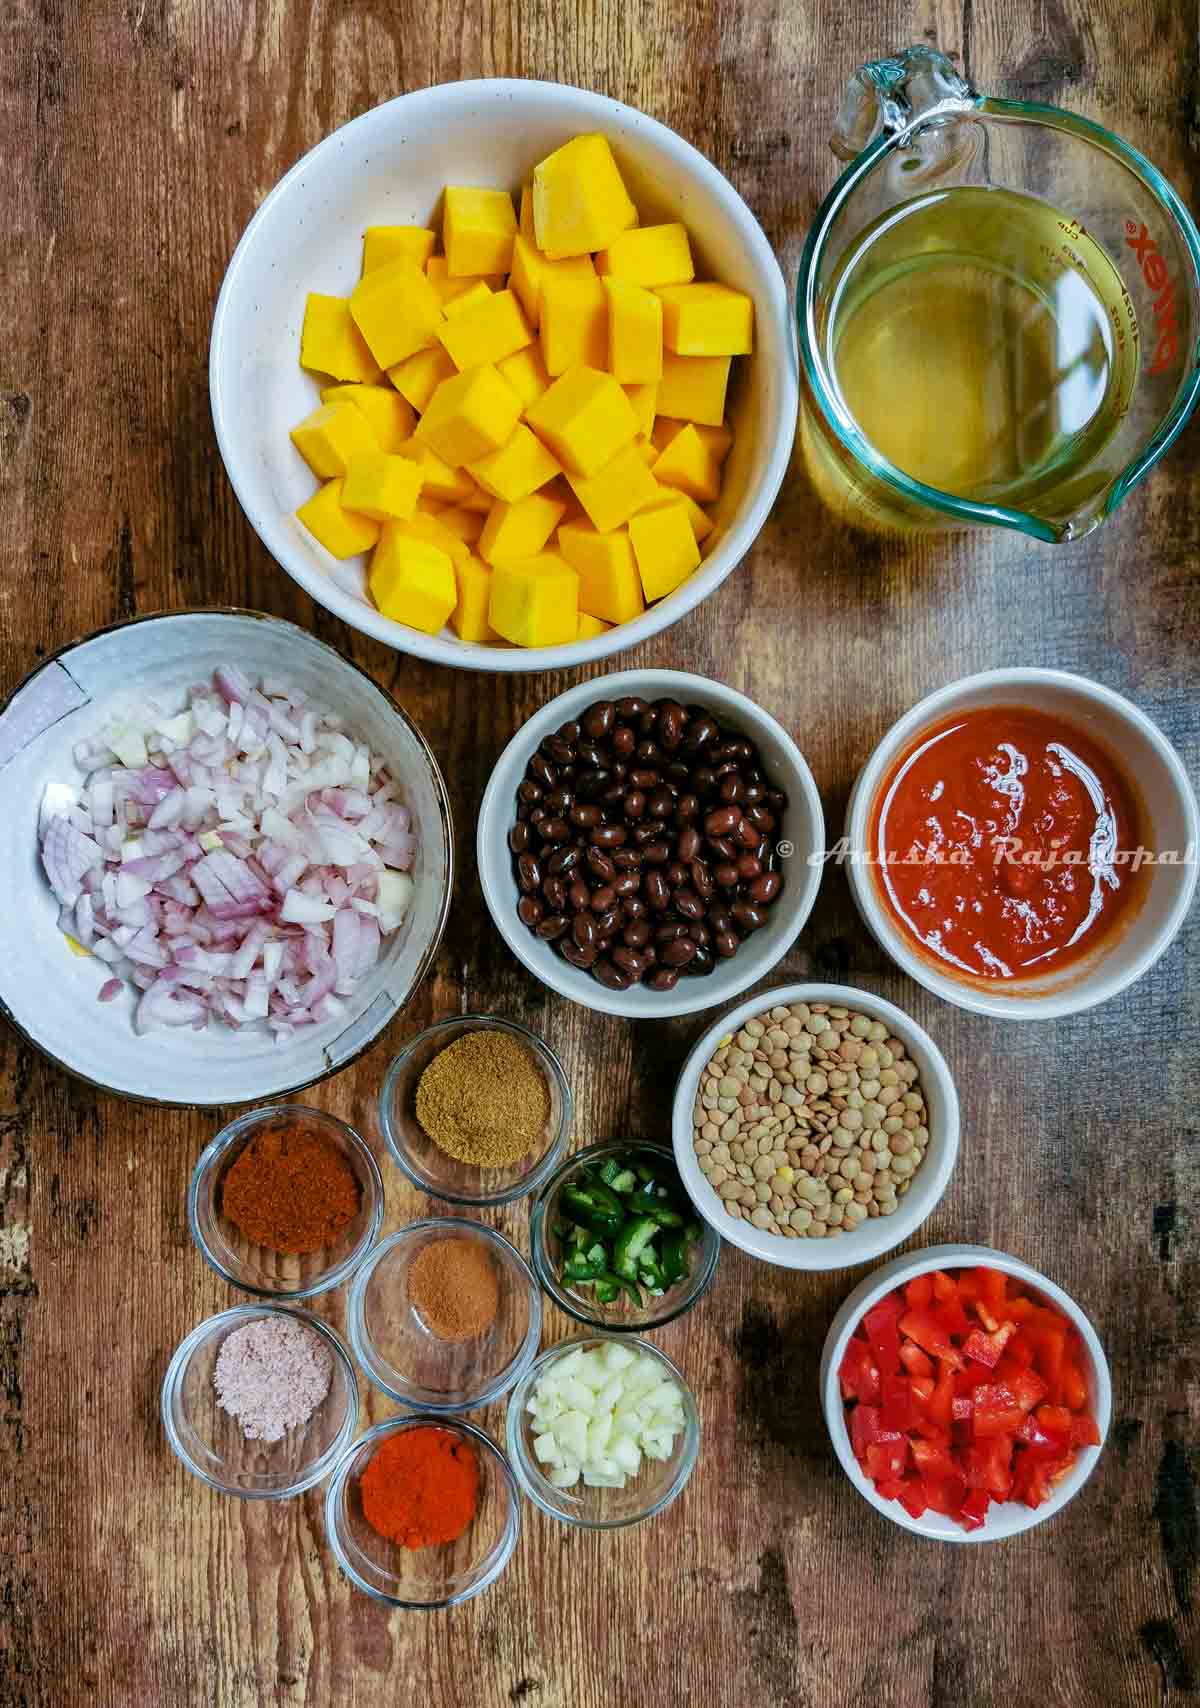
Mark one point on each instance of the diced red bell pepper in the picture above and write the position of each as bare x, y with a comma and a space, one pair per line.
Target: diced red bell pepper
944, 1286
929, 1335
952, 1316
1018, 1307
993, 1293
1027, 1387
945, 1494
996, 1410
1084, 1432
1040, 1441
859, 1374
888, 1487
887, 1459
986, 1348
916, 1362
919, 1291
898, 1411
933, 1460
962, 1408
921, 1388
941, 1403
1057, 1418
1020, 1348
912, 1496
882, 1325
864, 1428
989, 1466
967, 1282
1049, 1344
972, 1374
1036, 1477
973, 1511
1073, 1387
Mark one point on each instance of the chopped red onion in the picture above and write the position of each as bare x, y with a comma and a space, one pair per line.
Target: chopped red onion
241, 860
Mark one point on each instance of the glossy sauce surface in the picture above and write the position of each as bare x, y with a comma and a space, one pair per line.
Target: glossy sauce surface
998, 837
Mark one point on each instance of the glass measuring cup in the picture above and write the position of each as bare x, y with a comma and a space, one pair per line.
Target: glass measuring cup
913, 130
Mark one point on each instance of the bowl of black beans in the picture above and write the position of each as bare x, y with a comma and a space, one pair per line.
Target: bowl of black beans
645, 843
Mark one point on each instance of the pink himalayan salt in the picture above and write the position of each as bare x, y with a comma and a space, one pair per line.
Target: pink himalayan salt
272, 1374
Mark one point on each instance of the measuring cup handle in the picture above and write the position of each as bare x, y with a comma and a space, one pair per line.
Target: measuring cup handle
893, 94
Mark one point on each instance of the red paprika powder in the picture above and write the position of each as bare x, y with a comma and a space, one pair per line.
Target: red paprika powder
292, 1189
421, 1487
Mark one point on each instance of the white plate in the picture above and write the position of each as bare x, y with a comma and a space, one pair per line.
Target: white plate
50, 993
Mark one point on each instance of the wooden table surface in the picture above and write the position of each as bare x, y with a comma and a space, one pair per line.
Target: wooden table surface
138, 137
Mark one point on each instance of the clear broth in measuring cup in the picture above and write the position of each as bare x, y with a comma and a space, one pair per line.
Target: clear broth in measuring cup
983, 343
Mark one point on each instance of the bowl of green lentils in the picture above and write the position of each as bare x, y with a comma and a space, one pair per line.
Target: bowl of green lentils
815, 1126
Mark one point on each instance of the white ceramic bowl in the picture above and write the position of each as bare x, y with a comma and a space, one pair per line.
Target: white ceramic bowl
1146, 760
390, 166
50, 994
1008, 1518
875, 1236
803, 826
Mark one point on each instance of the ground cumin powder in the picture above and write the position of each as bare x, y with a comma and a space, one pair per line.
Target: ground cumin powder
484, 1100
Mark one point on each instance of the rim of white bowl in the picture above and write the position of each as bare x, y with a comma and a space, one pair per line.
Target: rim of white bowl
847, 1251
491, 839
424, 104
446, 819
936, 1527
1092, 988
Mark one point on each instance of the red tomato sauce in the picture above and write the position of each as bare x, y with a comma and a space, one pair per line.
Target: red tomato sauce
999, 838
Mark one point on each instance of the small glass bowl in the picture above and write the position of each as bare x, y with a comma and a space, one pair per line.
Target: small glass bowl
211, 1443
425, 1577
644, 1496
406, 1359
444, 1176
622, 1316
255, 1269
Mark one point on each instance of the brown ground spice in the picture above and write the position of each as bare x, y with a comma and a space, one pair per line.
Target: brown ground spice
484, 1100
453, 1284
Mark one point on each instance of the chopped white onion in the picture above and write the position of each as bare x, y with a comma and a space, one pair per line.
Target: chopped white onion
239, 860
598, 1412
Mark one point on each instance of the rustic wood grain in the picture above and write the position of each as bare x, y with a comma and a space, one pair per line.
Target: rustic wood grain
138, 137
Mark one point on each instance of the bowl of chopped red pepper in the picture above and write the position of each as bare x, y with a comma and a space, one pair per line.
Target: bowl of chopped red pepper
967, 1396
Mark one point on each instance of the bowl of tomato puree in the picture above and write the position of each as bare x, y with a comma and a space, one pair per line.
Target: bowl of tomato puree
1023, 843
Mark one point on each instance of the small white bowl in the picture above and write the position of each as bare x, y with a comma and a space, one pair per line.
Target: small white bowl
390, 166
875, 1236
1009, 1518
803, 827
1149, 765
50, 994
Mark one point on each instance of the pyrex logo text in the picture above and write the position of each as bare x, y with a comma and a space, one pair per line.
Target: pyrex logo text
1154, 272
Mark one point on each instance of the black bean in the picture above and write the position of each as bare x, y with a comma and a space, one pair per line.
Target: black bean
689, 904
616, 978
764, 890
636, 934
603, 898
598, 719
655, 890
599, 863
724, 847
579, 895
552, 926
627, 884
612, 797
529, 911
587, 753
648, 722
704, 780
663, 978
569, 949
752, 793
726, 943
593, 783
679, 773
537, 814
629, 960
560, 801
627, 859
554, 829
726, 875
670, 724
555, 892
720, 918
641, 778
530, 792
699, 933
679, 953
522, 812
518, 837
722, 821
702, 962
609, 835
688, 845
529, 873
562, 861
761, 819
568, 731
644, 833
583, 930
702, 730
631, 707
748, 867
676, 874
731, 787
648, 753
623, 741
660, 804
619, 770
633, 907
635, 804
607, 923
671, 932
687, 808
656, 853
702, 881
743, 833
749, 917
585, 817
